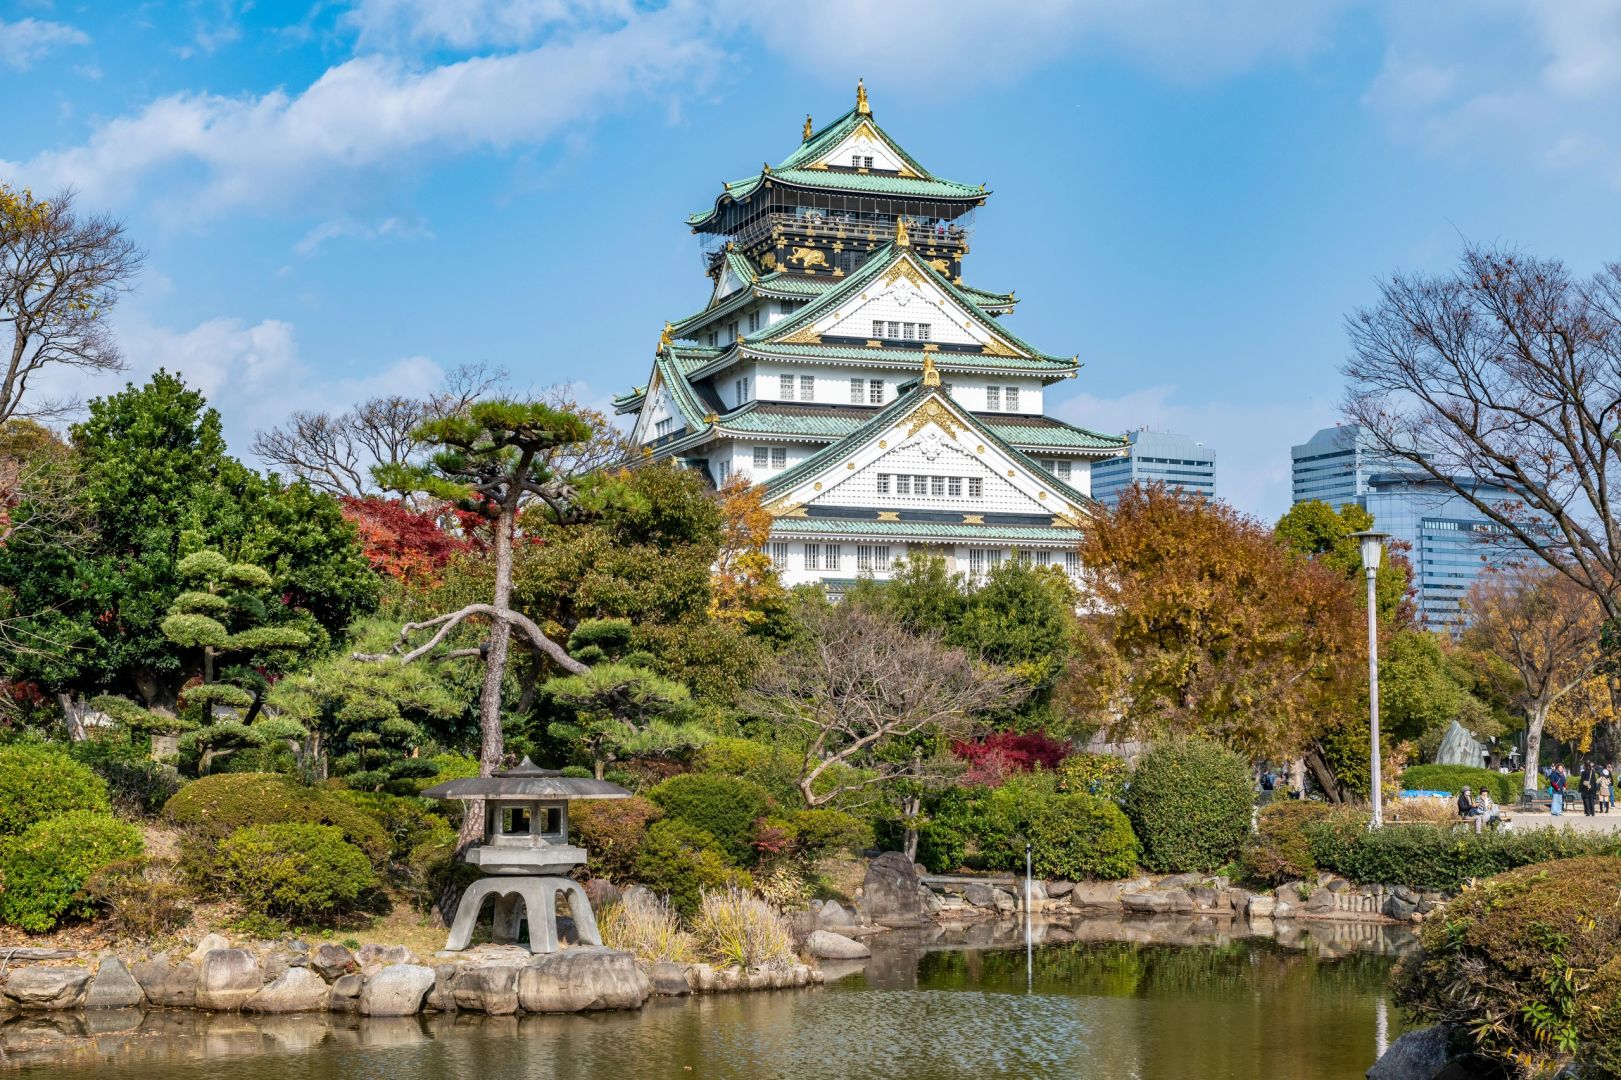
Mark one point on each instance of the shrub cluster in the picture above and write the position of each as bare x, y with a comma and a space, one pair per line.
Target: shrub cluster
1103, 775
1505, 787
43, 870
1190, 804
725, 807
214, 807
679, 861
1081, 836
136, 785
299, 872
1525, 964
143, 897
612, 832
1071, 835
39, 782
1280, 851
1434, 857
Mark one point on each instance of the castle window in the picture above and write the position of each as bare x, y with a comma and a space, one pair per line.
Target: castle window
713, 337
723, 472
813, 556
894, 330
830, 557
762, 457
1072, 563
807, 388
848, 261
875, 391
872, 556
976, 562
1011, 396
741, 388
779, 457
1061, 469
976, 487
883, 483
903, 484
663, 427
937, 485
878, 328
754, 321
779, 555
954, 486
920, 485
993, 398
907, 330
858, 391
785, 307
923, 331
786, 387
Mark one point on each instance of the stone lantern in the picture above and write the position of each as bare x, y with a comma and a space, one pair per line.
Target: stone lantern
526, 854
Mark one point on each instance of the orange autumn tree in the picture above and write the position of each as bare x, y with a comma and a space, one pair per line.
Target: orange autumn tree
744, 588
1201, 624
1546, 626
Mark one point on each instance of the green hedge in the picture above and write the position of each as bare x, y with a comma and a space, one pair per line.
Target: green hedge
1071, 835
39, 782
725, 807
1081, 836
43, 871
301, 873
1190, 804
679, 861
1505, 787
1444, 859
1280, 851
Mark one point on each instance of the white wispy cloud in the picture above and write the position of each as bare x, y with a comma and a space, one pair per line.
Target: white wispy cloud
27, 40
478, 24
1251, 439
349, 228
369, 114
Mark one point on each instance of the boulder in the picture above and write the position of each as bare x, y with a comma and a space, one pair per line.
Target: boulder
981, 895
345, 994
1405, 893
1321, 901
276, 963
373, 956
209, 943
833, 916
1261, 907
1207, 899
1057, 890
1147, 903
226, 978
587, 977
490, 989
442, 998
1179, 881
331, 961
889, 891
172, 986
1417, 1055
1095, 894
296, 990
825, 945
396, 990
113, 987
1399, 909
669, 979
1282, 909
47, 987
1290, 893
640, 896
601, 892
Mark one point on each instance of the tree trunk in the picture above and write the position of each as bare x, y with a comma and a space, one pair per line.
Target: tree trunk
1533, 745
911, 807
490, 744
73, 716
1325, 777
208, 663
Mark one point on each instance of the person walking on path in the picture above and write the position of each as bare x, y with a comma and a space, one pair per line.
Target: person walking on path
1556, 789
1587, 784
1605, 790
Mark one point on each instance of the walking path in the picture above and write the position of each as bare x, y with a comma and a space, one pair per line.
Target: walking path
1598, 823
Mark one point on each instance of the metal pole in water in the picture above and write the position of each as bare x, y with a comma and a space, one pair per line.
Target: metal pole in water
1381, 1027
1029, 943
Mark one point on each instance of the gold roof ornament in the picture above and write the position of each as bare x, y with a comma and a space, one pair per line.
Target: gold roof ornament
861, 99
667, 338
902, 237
808, 129
931, 376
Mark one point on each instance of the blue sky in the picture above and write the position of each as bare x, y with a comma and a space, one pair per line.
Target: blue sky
341, 199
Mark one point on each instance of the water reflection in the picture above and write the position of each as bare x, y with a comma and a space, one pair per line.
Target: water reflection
1133, 1000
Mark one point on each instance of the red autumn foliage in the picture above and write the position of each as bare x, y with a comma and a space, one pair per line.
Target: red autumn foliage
407, 545
996, 757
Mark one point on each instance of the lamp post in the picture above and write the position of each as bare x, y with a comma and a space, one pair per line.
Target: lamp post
1372, 550
1373, 547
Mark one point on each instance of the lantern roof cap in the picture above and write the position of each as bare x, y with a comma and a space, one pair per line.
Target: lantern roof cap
526, 781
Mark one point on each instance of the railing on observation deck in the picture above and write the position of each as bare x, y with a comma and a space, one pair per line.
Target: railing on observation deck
836, 225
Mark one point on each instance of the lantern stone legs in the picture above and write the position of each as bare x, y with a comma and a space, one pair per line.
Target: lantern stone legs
518, 898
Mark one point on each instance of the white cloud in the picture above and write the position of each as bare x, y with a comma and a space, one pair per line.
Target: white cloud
1251, 440
368, 115
1518, 80
348, 228
27, 40
472, 24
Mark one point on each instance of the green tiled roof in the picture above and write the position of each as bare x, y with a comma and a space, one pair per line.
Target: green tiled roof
789, 171
836, 422
932, 529
947, 362
1054, 434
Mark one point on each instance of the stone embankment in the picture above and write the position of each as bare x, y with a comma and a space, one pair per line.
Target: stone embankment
376, 980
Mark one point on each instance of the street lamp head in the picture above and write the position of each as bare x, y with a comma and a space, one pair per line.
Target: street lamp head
1373, 547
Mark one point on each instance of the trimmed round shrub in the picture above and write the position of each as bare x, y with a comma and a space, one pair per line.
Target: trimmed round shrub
216, 806
822, 832
1508, 962
406, 822
1280, 850
612, 831
772, 767
1079, 837
1190, 804
39, 782
725, 807
941, 847
1103, 775
679, 861
43, 871
297, 872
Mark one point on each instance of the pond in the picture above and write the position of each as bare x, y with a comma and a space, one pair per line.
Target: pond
1099, 1000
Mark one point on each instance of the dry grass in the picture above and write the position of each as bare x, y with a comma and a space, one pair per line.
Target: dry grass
648, 929
734, 928
1430, 809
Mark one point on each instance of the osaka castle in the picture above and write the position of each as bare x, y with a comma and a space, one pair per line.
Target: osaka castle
843, 362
